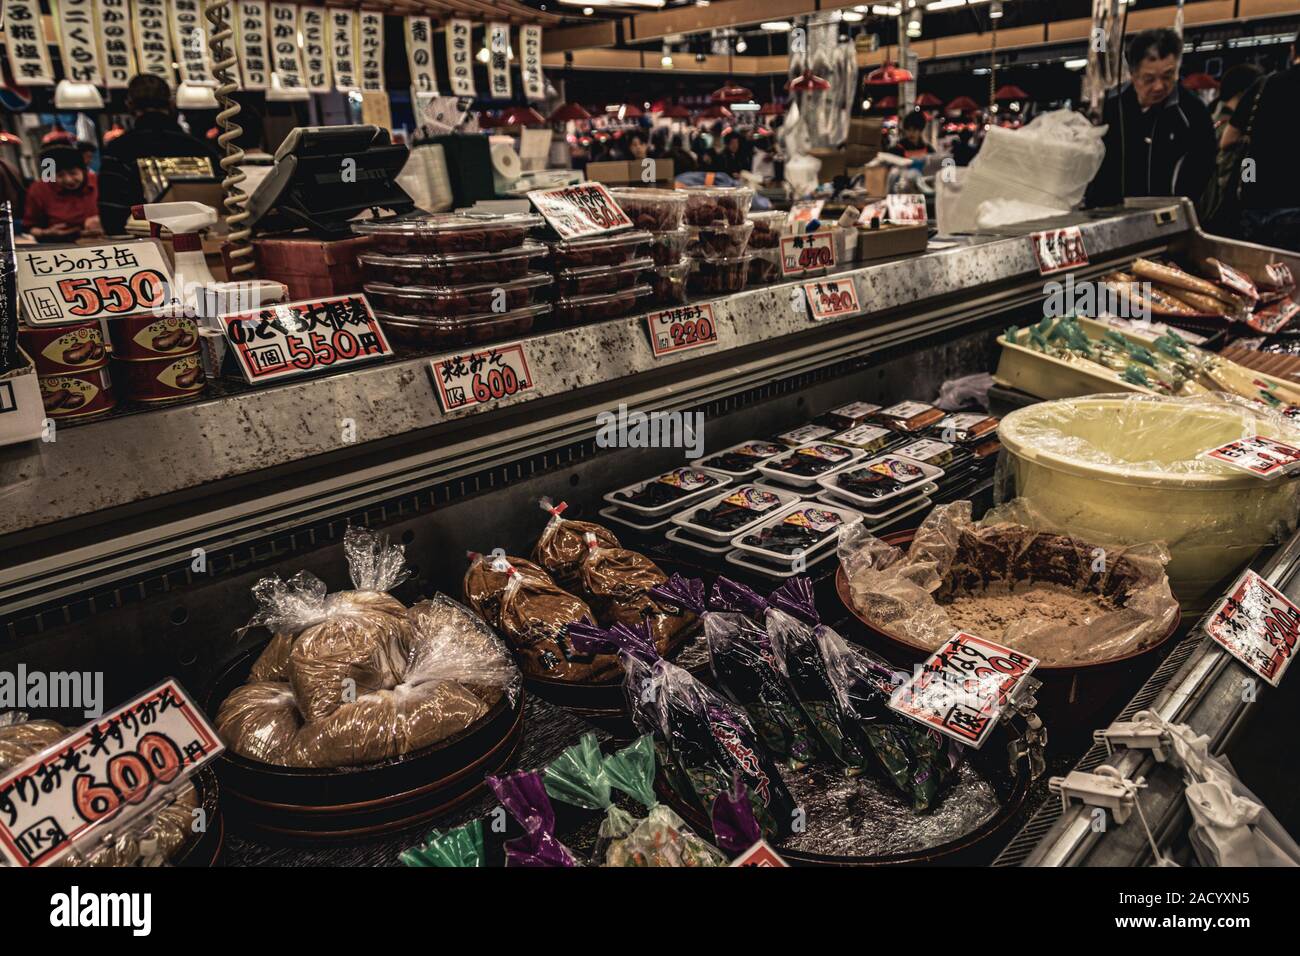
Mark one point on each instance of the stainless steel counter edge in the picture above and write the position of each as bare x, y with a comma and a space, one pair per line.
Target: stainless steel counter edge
125, 459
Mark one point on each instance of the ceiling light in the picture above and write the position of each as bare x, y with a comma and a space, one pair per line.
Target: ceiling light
914, 24
666, 60
70, 95
866, 104
1078, 64
862, 8
587, 11
483, 55
850, 16
995, 10
741, 45
945, 4
881, 10
776, 26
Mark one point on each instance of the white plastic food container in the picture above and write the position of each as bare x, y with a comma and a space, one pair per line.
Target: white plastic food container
764, 502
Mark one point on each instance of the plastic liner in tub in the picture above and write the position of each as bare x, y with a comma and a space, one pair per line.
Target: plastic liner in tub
1131, 468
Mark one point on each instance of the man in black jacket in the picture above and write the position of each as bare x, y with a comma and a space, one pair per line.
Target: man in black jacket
1158, 142
155, 134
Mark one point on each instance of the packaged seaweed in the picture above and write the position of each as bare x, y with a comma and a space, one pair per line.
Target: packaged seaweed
461, 847
577, 777
734, 826
524, 795
740, 654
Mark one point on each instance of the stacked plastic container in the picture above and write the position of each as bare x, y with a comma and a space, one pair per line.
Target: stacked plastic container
598, 277
719, 231
661, 213
450, 280
765, 245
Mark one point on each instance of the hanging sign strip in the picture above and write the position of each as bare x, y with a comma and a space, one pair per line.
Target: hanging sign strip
153, 44
343, 42
460, 57
315, 48
79, 43
499, 61
370, 28
191, 42
29, 56
115, 43
530, 39
251, 31
419, 55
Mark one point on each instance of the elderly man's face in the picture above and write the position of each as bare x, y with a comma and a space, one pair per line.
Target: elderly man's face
1154, 79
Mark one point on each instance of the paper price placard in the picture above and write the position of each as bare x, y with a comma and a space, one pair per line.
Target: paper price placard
807, 253
1258, 625
480, 378
56, 286
586, 209
963, 687
681, 328
1059, 249
103, 773
300, 338
832, 298
1262, 457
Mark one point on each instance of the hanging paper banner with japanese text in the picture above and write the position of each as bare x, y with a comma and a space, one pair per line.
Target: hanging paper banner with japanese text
460, 57
530, 64
499, 61
343, 41
419, 54
29, 57
79, 43
115, 43
370, 31
250, 27
315, 48
153, 44
191, 42
286, 61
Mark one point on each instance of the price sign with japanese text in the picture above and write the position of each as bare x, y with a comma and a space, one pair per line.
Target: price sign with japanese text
77, 283
807, 253
760, 854
832, 298
901, 208
1256, 624
961, 690
478, 378
585, 209
805, 211
299, 338
110, 770
1261, 456
1059, 249
680, 328
1274, 317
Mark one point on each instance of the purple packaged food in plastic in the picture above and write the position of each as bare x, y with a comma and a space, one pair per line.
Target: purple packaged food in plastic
734, 826
524, 795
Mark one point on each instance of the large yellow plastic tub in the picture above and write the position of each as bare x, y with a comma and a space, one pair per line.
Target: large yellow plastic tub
1127, 469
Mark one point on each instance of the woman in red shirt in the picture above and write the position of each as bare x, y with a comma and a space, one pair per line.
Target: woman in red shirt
63, 202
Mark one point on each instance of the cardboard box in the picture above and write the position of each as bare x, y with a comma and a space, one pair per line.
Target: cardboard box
891, 240
312, 267
875, 180
629, 172
22, 414
834, 163
866, 131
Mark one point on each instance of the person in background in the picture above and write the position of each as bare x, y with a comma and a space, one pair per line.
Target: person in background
88, 151
683, 159
912, 144
637, 145
1265, 118
735, 157
155, 134
63, 203
964, 147
1158, 143
1236, 81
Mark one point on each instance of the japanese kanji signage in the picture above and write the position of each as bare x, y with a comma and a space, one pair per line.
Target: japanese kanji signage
499, 61
315, 48
251, 29
419, 55
1257, 625
300, 338
191, 42
76, 283
1263, 457
460, 57
370, 29
153, 44
1058, 250
343, 41
115, 40
530, 64
682, 327
286, 60
29, 57
111, 770
79, 43
585, 209
478, 378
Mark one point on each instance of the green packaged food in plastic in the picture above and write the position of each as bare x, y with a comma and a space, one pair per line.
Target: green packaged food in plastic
462, 846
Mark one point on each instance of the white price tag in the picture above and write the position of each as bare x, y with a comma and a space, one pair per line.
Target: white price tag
1262, 457
832, 298
680, 328
479, 378
962, 688
807, 253
1059, 249
107, 771
299, 338
1256, 624
77, 283
805, 211
586, 209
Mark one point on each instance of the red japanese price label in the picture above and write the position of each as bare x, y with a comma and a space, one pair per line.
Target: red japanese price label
1059, 249
805, 211
478, 378
760, 854
1256, 624
832, 298
1262, 457
1273, 317
300, 338
963, 687
56, 286
586, 209
681, 328
807, 253
111, 770
899, 208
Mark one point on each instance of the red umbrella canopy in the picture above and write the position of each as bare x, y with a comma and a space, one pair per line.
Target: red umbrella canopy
523, 116
887, 103
928, 101
1200, 81
771, 109
888, 75
962, 104
569, 111
731, 92
1010, 92
632, 111
675, 111
716, 111
807, 83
